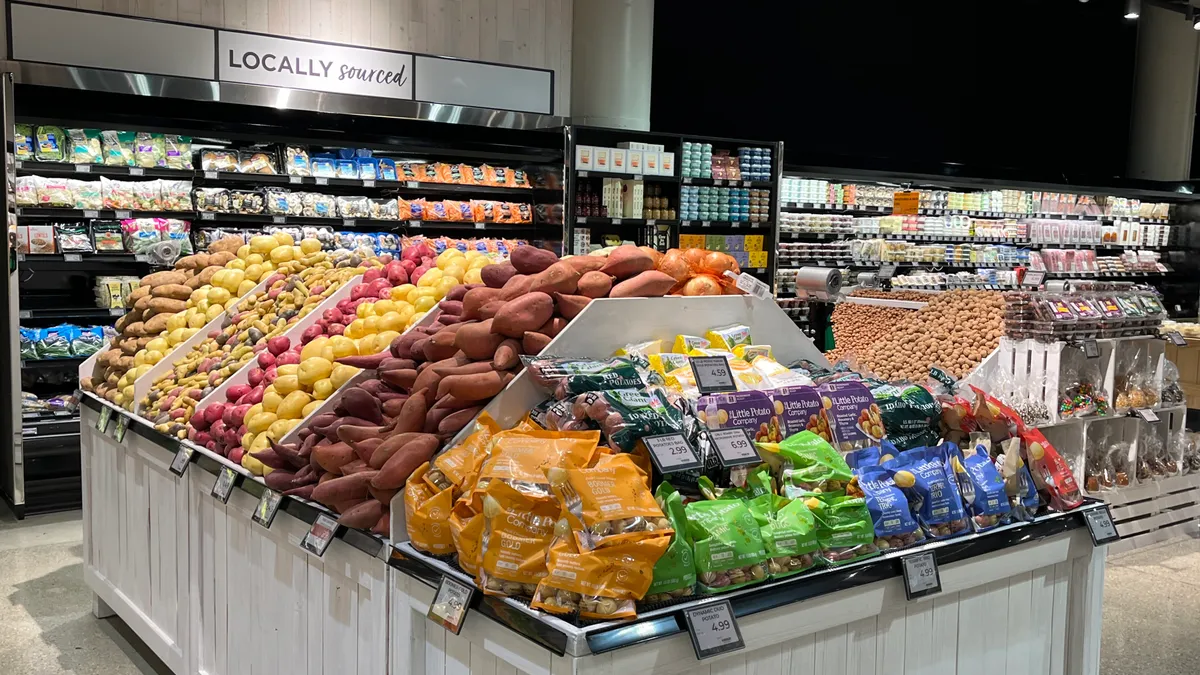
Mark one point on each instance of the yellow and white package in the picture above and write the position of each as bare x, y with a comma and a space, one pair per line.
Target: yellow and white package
667, 362
641, 348
744, 376
684, 344
750, 352
728, 337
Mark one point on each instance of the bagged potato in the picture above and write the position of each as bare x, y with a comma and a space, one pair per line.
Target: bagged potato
568, 377
844, 529
789, 533
911, 416
939, 506
427, 513
608, 503
806, 462
517, 530
521, 458
891, 515
600, 584
454, 465
728, 547
627, 415
466, 532
675, 572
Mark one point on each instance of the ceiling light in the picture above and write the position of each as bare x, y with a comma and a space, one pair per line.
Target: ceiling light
1133, 9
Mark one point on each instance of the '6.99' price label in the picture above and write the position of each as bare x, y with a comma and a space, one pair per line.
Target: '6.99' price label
734, 447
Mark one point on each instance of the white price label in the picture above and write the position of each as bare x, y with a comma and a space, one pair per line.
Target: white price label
91, 214
121, 428
322, 180
207, 215
1033, 278
616, 221
414, 223
83, 168
20, 257
347, 222
734, 447
920, 575
141, 257
714, 629
413, 184
748, 284
1147, 414
137, 171
105, 416
119, 215
268, 506
72, 257
223, 487
706, 223
713, 375
210, 175
116, 311
183, 457
24, 314
481, 226
279, 220
1176, 339
671, 453
450, 604
295, 179
1100, 525
368, 182
320, 535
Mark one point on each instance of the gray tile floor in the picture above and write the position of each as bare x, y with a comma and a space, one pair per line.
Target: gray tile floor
1151, 608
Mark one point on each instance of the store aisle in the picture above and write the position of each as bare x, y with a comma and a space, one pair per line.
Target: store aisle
46, 622
1152, 610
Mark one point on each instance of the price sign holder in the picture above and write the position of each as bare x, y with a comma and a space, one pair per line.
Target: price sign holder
1176, 339
183, 457
671, 453
886, 271
1091, 349
906, 203
735, 447
105, 416
921, 576
450, 604
1146, 414
320, 535
713, 374
713, 629
268, 506
1100, 525
1033, 278
122, 427
223, 487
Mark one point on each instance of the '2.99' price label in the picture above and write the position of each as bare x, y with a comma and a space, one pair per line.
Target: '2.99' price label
671, 453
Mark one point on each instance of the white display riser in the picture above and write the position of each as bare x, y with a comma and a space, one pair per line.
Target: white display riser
209, 590
1155, 511
1026, 610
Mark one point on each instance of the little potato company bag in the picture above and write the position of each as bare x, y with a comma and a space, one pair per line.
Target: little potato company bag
608, 503
844, 528
466, 531
728, 547
517, 529
804, 462
600, 584
934, 495
427, 514
891, 515
789, 533
675, 571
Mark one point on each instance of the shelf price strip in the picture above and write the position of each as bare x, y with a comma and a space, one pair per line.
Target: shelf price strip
450, 604
713, 629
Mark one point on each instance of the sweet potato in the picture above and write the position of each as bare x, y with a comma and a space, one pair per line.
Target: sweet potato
533, 343
402, 379
393, 406
495, 276
383, 527
508, 354
434, 418
531, 260
474, 387
271, 459
516, 286
477, 341
649, 284
476, 298
449, 319
412, 413
322, 420
427, 378
364, 449
363, 515
344, 488
448, 402
172, 291
440, 346
455, 421
418, 348
350, 433
355, 466
525, 313
331, 457
400, 465
627, 260
294, 456
557, 278
393, 363
594, 284
465, 369
303, 492
552, 327
382, 496
490, 310
370, 361
361, 404
451, 307
401, 346
586, 263
571, 305
279, 480
392, 444
164, 278
460, 290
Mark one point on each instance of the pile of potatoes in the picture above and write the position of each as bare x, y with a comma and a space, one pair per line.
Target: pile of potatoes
160, 318
955, 331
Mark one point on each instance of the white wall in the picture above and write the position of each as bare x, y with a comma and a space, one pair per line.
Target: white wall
519, 32
1164, 96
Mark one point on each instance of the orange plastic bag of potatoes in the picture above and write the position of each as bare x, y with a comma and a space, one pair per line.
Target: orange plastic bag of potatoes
608, 503
452, 466
427, 514
600, 584
466, 531
521, 458
517, 529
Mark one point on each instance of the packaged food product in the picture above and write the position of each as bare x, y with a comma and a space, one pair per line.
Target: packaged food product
41, 239
627, 415
521, 459
140, 234
368, 168
854, 418
178, 151
73, 238
608, 503
805, 462
675, 572
117, 194
318, 205
212, 199
106, 236
28, 344
257, 161
934, 494
87, 341
387, 169
345, 168
322, 167
685, 344
178, 231
26, 193
517, 530
436, 211
55, 192
466, 532
1056, 484
85, 146
451, 468
728, 547
600, 584
728, 337
981, 485
408, 171
427, 514
844, 529
55, 342
149, 150
384, 209
891, 515
283, 203
176, 195
568, 376
354, 207
752, 410
86, 194
910, 415
246, 201
789, 533
1018, 481
118, 147
218, 160
23, 143
297, 161
799, 409
147, 195
51, 142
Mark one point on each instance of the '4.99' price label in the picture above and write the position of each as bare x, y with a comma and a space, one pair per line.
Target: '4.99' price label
714, 629
920, 575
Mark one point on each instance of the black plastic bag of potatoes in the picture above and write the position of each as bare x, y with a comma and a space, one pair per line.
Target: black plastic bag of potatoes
911, 415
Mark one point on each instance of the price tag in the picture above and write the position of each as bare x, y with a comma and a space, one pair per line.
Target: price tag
24, 314
734, 447
368, 182
116, 311
1091, 349
651, 222
413, 183
414, 223
713, 375
481, 226
687, 180
906, 203
1176, 339
141, 257
1033, 278
920, 575
745, 282
706, 223
320, 535
105, 416
210, 175
450, 604
122, 427
91, 214
295, 180
268, 506
183, 457
207, 215
322, 180
1100, 525
223, 487
72, 257
83, 168
616, 221
714, 629
137, 171
718, 181
347, 222
1146, 414
672, 453
886, 272
20, 257
119, 215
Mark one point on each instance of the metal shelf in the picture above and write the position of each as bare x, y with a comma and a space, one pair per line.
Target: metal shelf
728, 182
72, 313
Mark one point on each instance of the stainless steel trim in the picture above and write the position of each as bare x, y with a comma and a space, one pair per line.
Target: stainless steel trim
90, 79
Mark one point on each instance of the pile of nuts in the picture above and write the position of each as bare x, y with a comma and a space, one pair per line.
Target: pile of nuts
955, 331
911, 296
857, 327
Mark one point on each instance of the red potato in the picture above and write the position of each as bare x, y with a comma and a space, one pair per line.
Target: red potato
531, 260
363, 515
533, 343
627, 260
495, 276
478, 341
476, 298
393, 444
508, 355
594, 284
571, 305
525, 313
352, 487
586, 263
400, 465
650, 284
557, 278
516, 287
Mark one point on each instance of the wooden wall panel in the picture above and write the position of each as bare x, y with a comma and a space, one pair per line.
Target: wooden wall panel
519, 32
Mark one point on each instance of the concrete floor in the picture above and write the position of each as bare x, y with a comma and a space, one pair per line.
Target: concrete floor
1151, 608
